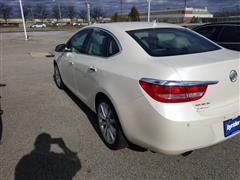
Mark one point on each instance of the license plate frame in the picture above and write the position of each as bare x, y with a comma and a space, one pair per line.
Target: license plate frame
231, 126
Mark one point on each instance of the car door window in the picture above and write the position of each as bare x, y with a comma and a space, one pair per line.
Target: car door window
211, 32
78, 42
230, 34
102, 44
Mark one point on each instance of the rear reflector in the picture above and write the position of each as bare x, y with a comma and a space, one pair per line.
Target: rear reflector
174, 93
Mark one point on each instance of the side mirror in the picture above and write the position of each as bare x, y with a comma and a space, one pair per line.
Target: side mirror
60, 48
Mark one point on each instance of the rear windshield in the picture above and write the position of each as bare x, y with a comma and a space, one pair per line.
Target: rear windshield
171, 41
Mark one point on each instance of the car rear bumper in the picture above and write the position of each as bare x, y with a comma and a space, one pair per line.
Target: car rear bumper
171, 131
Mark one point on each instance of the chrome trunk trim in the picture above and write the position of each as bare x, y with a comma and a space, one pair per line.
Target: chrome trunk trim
178, 83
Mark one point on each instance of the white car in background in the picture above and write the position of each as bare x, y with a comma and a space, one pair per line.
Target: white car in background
61, 24
160, 86
76, 24
38, 25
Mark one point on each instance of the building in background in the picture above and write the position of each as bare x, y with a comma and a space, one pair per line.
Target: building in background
180, 15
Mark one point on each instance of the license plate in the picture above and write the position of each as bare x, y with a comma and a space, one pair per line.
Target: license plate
231, 126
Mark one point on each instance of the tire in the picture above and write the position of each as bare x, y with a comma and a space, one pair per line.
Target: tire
109, 125
57, 77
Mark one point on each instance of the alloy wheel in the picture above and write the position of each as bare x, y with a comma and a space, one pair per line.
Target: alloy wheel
57, 76
107, 123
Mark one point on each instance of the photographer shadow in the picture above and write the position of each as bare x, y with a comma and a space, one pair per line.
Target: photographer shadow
42, 164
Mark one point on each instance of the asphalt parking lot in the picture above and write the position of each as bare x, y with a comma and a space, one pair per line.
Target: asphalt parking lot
33, 105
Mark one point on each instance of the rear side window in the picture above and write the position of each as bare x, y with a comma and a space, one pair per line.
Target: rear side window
171, 41
113, 47
211, 32
102, 44
230, 34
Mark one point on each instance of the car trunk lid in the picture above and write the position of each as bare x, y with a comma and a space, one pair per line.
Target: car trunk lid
210, 66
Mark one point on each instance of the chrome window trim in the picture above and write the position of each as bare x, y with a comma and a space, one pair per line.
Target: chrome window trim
178, 83
113, 36
106, 31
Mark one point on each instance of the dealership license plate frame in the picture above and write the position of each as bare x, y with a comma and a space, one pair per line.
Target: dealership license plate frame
233, 130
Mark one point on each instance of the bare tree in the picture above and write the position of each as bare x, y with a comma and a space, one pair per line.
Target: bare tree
41, 11
97, 12
71, 12
5, 11
27, 10
55, 12
82, 14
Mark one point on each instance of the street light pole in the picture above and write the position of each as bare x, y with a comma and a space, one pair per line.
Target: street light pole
149, 10
88, 12
23, 20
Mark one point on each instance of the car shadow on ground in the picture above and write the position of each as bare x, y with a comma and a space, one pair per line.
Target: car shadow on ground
1, 127
43, 164
1, 113
93, 118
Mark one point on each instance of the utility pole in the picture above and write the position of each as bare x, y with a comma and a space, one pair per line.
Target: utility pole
31, 13
121, 5
59, 8
149, 10
23, 20
88, 12
185, 4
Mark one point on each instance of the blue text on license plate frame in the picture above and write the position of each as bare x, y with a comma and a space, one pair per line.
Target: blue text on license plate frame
231, 126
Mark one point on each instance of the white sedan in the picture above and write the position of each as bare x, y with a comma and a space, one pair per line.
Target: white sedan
38, 25
159, 86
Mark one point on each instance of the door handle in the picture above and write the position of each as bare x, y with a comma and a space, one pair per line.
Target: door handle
69, 54
71, 63
92, 69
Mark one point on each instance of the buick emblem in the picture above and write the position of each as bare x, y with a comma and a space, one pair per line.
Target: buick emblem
233, 76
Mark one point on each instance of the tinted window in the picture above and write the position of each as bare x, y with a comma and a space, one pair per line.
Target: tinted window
230, 34
78, 41
211, 32
171, 41
113, 47
102, 44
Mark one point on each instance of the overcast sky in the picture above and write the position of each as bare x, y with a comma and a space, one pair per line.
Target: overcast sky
111, 6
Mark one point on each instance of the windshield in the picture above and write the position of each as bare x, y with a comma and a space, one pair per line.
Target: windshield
171, 41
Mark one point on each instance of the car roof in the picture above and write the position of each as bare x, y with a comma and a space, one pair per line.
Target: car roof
233, 23
227, 22
128, 26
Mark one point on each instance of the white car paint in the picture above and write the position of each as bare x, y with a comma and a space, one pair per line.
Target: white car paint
171, 128
39, 25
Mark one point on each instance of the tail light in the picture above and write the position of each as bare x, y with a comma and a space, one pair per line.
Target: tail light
175, 91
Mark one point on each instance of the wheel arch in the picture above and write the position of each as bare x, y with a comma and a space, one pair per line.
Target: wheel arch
104, 94
100, 95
